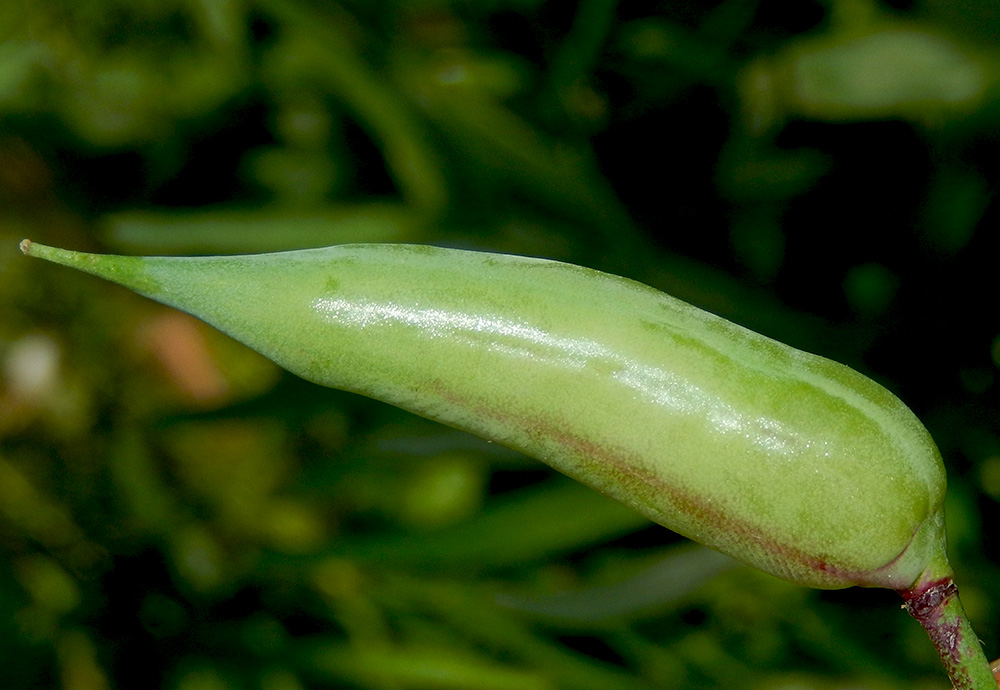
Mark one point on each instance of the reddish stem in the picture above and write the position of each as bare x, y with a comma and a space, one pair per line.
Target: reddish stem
934, 602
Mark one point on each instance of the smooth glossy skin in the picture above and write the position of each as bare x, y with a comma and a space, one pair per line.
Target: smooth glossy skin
788, 461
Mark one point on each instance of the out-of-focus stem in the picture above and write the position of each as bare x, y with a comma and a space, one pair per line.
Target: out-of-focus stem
933, 601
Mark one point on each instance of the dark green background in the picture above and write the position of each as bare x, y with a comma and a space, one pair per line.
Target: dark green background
175, 512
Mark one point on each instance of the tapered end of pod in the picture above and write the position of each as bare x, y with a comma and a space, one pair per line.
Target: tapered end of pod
65, 257
124, 270
40, 251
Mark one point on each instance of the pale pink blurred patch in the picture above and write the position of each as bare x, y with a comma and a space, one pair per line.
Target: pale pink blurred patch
178, 343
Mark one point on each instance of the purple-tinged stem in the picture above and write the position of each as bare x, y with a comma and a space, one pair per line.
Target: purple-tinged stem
933, 601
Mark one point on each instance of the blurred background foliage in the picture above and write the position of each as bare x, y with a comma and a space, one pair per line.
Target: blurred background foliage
176, 512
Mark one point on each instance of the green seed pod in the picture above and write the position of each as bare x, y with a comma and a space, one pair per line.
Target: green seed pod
788, 461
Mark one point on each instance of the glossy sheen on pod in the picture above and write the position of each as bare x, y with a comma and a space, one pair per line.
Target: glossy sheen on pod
785, 460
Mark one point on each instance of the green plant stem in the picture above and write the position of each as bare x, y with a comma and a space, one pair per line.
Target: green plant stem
933, 601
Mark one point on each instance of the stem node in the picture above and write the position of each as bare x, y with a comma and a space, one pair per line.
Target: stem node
934, 603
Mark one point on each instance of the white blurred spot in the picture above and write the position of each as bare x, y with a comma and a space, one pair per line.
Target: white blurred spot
31, 367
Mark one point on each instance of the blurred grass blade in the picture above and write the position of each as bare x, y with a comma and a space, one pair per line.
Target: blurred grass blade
420, 668
323, 52
533, 524
225, 231
662, 585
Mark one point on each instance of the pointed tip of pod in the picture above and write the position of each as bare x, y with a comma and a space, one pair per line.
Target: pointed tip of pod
128, 271
41, 251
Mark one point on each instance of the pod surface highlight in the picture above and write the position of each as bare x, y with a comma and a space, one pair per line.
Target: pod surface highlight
788, 461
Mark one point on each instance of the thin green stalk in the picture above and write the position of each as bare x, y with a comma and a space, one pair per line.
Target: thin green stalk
933, 601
